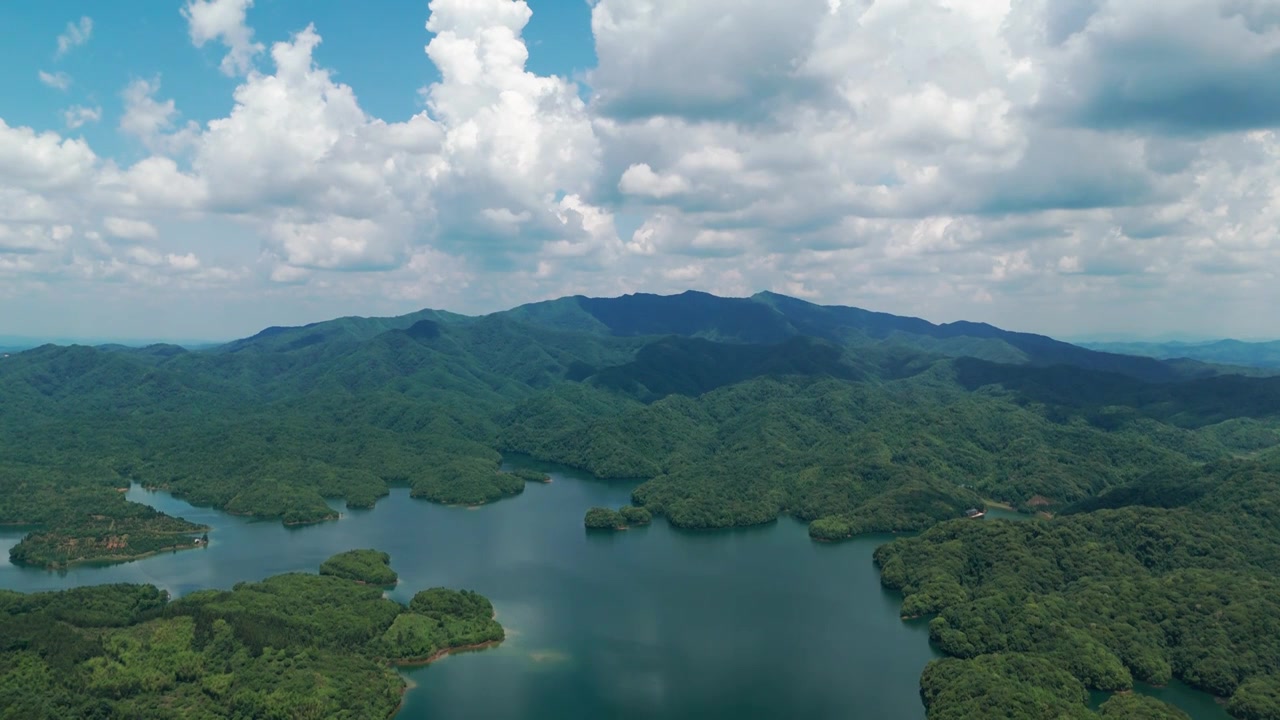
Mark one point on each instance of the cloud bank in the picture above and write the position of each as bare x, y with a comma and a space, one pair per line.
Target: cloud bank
1061, 165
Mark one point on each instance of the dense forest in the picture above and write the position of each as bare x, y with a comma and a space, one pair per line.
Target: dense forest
291, 646
73, 522
369, 567
733, 411
1178, 577
598, 518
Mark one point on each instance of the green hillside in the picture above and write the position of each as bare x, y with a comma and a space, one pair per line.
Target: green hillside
292, 646
736, 411
733, 411
1185, 584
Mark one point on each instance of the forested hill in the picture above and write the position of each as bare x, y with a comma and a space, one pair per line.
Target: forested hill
770, 318
732, 412
763, 319
737, 410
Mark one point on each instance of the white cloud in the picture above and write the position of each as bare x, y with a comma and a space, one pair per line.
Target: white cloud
294, 137
153, 121
56, 80
224, 21
78, 115
184, 263
289, 275
76, 34
139, 255
945, 158
509, 135
30, 238
335, 243
35, 162
640, 179
711, 59
129, 228
154, 183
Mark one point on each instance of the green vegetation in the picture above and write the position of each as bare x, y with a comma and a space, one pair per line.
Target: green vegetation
292, 646
292, 504
1128, 706
1006, 686
633, 515
1189, 590
466, 481
1161, 562
1023, 687
90, 523
442, 619
531, 475
599, 518
371, 567
1257, 699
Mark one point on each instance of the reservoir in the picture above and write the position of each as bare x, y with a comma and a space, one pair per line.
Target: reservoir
645, 623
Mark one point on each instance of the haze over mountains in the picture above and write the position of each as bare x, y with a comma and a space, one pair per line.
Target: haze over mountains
1264, 354
769, 317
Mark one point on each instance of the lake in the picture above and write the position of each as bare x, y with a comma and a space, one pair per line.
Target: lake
649, 622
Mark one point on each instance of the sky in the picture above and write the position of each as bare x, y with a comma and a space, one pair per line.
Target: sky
206, 168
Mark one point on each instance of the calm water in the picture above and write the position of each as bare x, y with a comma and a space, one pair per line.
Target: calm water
651, 622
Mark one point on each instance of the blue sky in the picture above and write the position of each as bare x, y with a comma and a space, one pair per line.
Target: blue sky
204, 168
380, 56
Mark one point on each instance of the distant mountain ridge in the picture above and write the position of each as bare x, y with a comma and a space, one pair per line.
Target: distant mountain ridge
1228, 352
765, 319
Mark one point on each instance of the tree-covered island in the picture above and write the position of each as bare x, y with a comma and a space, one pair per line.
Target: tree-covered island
598, 518
292, 646
369, 567
93, 523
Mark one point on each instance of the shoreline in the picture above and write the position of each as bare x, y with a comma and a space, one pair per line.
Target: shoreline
233, 513
434, 657
109, 559
445, 652
268, 518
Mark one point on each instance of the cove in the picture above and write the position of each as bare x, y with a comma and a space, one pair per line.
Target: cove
650, 622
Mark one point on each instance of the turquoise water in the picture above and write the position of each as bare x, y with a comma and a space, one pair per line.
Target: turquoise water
650, 622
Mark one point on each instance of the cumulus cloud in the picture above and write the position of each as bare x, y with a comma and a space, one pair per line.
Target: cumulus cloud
56, 80
76, 34
704, 59
31, 238
334, 243
1182, 66
78, 115
149, 257
129, 229
35, 162
153, 121
510, 136
640, 179
224, 21
1025, 162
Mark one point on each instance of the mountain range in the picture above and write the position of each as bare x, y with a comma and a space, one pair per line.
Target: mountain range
1227, 352
735, 410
